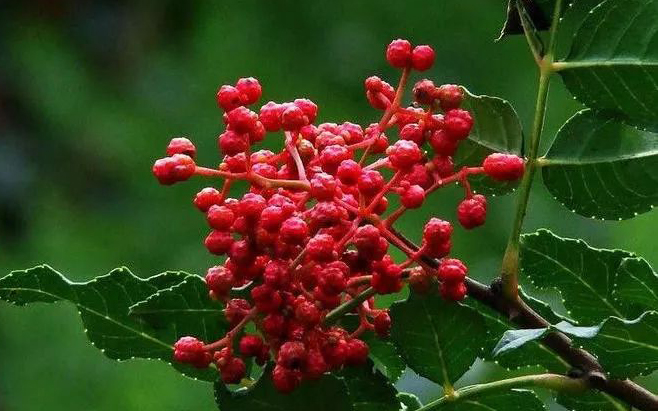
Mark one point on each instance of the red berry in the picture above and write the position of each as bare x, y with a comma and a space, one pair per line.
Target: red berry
251, 345
335, 348
420, 175
206, 198
332, 281
285, 380
442, 144
437, 231
352, 133
232, 143
450, 96
320, 247
374, 84
170, 170
276, 275
266, 299
252, 205
220, 217
271, 218
323, 187
181, 145
413, 132
425, 92
357, 352
233, 371
452, 270
293, 118
458, 123
219, 280
404, 154
443, 165
382, 323
366, 238
274, 324
218, 242
309, 108
241, 252
307, 313
315, 364
438, 250
250, 90
398, 53
236, 309
472, 212
228, 98
332, 156
370, 182
504, 167
270, 116
242, 120
419, 281
292, 355
453, 292
293, 231
387, 281
378, 100
422, 57
190, 350
348, 172
413, 197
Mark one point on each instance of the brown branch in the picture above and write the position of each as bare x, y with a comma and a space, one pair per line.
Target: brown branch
523, 316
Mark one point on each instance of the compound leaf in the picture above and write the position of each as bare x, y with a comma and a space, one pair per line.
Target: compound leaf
184, 309
600, 167
103, 304
583, 275
613, 62
435, 337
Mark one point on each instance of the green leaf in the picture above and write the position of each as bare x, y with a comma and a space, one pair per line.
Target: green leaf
496, 129
513, 339
409, 401
636, 286
590, 401
626, 348
583, 275
382, 350
385, 356
531, 354
513, 400
613, 62
184, 309
600, 167
103, 304
329, 393
430, 331
369, 390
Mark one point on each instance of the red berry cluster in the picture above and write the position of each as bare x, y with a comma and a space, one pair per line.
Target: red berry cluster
313, 231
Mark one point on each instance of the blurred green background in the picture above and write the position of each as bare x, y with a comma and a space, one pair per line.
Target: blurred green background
91, 92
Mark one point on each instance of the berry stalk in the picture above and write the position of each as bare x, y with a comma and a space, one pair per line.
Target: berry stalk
510, 264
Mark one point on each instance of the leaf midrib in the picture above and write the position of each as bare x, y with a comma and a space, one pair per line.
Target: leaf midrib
568, 270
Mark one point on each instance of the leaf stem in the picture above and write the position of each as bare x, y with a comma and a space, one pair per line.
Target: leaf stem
551, 381
349, 306
510, 265
534, 43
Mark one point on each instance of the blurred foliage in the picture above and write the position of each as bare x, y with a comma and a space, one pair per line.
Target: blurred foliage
90, 93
